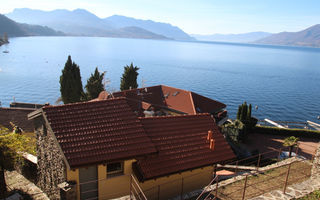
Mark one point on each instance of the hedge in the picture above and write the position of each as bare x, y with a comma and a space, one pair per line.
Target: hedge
286, 132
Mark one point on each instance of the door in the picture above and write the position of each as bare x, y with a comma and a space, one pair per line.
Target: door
88, 178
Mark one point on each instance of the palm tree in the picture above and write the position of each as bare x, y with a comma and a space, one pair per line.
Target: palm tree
290, 142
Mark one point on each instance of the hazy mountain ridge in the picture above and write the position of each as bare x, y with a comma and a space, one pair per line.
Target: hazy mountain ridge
14, 29
83, 23
240, 38
308, 37
156, 27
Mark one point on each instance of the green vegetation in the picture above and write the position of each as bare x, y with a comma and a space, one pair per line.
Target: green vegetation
70, 83
313, 196
287, 132
129, 77
11, 147
94, 85
238, 130
290, 142
71, 86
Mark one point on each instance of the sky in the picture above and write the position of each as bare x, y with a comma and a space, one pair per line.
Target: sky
196, 16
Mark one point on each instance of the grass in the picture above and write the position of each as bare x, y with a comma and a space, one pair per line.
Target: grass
265, 182
313, 196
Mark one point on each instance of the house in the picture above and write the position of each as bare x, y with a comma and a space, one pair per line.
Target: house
165, 100
97, 145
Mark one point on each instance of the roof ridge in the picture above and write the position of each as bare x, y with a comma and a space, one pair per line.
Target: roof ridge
192, 102
83, 102
176, 116
175, 88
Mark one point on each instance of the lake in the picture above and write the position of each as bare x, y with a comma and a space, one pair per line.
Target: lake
284, 82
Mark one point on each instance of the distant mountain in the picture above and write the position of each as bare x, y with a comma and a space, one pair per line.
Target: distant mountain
239, 38
137, 32
14, 29
308, 37
156, 27
83, 23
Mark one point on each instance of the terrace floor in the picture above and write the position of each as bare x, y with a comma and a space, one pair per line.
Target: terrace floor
265, 143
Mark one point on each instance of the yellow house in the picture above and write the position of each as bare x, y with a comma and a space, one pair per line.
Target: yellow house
103, 150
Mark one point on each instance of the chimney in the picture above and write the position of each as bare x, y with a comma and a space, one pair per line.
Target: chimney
209, 137
212, 144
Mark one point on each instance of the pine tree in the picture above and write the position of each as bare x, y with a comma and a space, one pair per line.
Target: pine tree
94, 85
70, 83
129, 77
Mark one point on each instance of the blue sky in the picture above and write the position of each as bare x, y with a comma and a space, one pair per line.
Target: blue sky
196, 16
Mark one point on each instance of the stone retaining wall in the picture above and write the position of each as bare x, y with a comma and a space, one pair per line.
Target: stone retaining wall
51, 168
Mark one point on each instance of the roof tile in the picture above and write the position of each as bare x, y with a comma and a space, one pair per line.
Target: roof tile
182, 145
98, 131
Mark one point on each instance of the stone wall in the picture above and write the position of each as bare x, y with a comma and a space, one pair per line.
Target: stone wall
51, 167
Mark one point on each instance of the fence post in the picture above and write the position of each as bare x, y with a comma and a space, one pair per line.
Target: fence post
258, 165
158, 192
287, 177
216, 194
244, 188
181, 196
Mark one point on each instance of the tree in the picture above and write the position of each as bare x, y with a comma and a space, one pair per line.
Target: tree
244, 111
129, 77
95, 85
11, 147
239, 112
290, 142
70, 83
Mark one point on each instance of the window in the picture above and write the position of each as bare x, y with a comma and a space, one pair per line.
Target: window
114, 169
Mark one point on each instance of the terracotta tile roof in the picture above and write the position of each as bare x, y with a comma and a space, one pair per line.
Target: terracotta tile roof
172, 98
18, 116
98, 131
182, 145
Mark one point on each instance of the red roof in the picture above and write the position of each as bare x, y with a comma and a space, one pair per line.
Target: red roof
182, 145
98, 131
173, 98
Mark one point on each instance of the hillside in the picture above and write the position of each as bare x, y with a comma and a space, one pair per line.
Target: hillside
14, 29
164, 29
308, 37
83, 23
239, 38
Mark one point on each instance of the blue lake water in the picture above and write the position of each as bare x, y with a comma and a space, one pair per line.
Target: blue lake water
283, 81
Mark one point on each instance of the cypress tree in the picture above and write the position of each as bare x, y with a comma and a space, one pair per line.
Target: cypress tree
239, 112
70, 83
94, 85
244, 112
249, 112
129, 77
